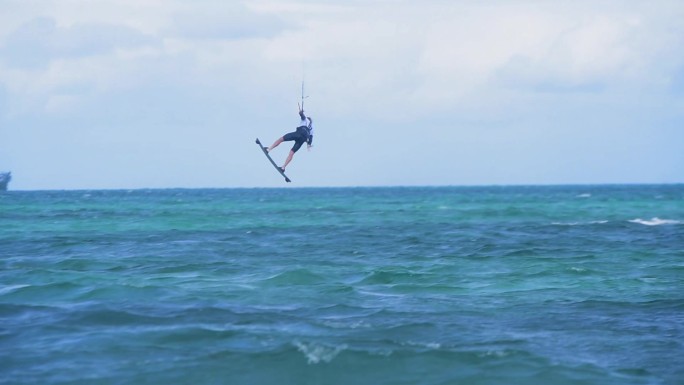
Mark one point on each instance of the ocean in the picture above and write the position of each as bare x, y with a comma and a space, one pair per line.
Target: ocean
378, 285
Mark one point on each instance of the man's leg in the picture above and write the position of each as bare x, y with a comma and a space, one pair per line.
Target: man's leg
275, 144
288, 160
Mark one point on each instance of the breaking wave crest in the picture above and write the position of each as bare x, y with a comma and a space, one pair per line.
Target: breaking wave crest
655, 221
316, 353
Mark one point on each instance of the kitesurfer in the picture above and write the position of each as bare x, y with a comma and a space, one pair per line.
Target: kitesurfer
304, 133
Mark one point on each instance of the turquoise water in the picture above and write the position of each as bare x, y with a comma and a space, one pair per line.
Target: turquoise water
443, 285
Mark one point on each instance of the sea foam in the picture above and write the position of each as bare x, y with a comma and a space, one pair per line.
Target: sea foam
655, 221
316, 353
578, 223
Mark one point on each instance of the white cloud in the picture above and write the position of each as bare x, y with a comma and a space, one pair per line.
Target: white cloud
39, 41
376, 57
530, 46
469, 74
221, 20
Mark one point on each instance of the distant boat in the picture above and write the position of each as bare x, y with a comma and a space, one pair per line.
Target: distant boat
5, 178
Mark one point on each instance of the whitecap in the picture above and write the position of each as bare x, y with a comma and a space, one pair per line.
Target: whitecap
585, 195
655, 221
428, 345
579, 223
495, 353
316, 353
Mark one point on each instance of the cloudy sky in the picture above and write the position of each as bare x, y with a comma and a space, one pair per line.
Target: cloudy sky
171, 93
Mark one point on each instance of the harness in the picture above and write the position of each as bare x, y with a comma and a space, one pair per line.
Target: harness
306, 130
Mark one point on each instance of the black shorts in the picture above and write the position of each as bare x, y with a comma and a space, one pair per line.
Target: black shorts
300, 136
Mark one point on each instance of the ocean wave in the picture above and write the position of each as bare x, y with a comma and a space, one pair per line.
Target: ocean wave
395, 276
655, 221
579, 223
11, 288
578, 269
295, 277
344, 324
424, 345
316, 353
497, 353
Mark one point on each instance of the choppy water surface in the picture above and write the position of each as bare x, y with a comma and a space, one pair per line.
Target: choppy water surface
448, 285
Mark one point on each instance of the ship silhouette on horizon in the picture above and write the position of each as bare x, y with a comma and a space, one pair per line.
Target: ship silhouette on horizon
5, 178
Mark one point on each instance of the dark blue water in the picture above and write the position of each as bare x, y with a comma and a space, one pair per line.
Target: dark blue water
444, 285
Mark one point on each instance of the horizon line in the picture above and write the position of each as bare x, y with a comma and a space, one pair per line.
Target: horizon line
359, 186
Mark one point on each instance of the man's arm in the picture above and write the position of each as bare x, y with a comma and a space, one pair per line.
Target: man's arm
301, 112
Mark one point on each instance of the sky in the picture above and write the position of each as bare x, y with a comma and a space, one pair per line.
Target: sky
125, 94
